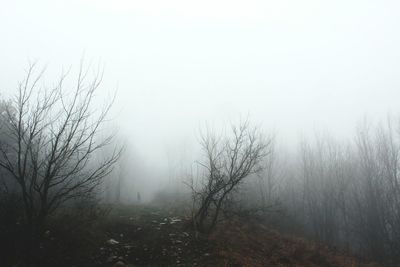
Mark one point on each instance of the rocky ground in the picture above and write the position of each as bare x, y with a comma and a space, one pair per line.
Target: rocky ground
154, 236
148, 236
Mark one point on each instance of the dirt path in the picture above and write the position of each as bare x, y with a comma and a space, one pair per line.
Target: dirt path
151, 237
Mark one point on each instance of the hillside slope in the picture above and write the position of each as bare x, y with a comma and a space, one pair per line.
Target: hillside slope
151, 236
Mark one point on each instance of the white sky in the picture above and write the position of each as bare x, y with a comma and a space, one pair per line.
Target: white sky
292, 65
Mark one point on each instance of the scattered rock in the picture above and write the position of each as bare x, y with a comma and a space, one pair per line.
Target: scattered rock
112, 242
112, 258
175, 220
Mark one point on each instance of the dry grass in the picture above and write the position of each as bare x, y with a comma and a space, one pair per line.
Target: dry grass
252, 244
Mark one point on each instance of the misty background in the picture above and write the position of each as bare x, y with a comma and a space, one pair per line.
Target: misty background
294, 67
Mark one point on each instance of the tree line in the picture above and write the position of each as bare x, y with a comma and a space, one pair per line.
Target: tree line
54, 151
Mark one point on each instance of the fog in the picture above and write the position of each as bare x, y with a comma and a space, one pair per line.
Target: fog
292, 66
319, 78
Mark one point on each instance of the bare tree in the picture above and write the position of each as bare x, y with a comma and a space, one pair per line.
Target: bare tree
229, 160
350, 193
378, 201
269, 178
54, 133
